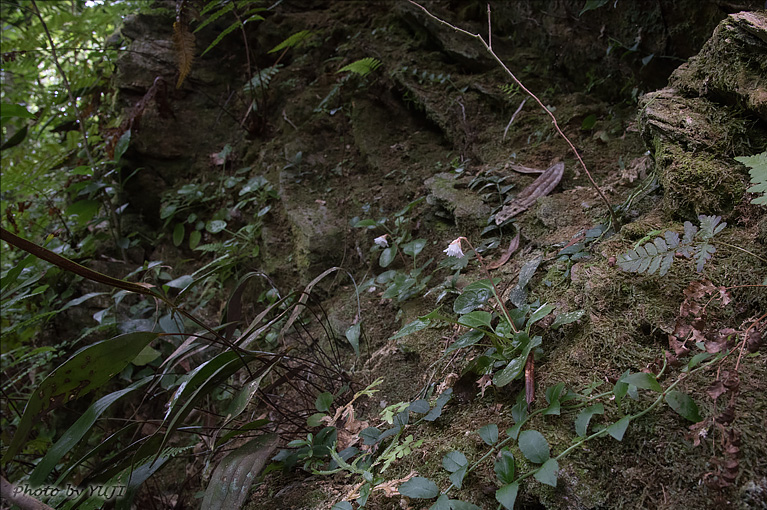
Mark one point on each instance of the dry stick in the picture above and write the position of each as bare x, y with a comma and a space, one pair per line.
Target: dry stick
613, 218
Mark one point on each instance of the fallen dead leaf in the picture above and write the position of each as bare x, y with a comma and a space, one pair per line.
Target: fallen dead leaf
541, 187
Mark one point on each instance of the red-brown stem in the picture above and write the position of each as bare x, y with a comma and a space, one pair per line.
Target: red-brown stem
553, 118
495, 289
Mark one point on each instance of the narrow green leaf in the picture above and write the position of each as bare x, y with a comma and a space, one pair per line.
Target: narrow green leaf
507, 495
533, 446
466, 340
122, 145
412, 327
90, 368
353, 336
547, 473
8, 110
76, 432
178, 234
194, 239
233, 477
643, 380
540, 313
684, 406
505, 467
567, 318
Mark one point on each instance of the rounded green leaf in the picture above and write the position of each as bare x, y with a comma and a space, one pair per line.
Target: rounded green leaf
215, 226
413, 248
470, 299
505, 466
387, 256
419, 487
476, 319
683, 405
454, 461
323, 402
534, 446
489, 433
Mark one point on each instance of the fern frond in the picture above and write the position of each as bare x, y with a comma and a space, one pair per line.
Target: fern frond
183, 40
651, 257
223, 34
362, 67
659, 254
757, 165
294, 40
262, 79
213, 17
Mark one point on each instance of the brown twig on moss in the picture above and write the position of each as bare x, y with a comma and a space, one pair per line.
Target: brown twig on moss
489, 49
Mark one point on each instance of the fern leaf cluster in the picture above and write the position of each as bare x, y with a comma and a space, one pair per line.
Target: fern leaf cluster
757, 165
261, 80
658, 255
362, 67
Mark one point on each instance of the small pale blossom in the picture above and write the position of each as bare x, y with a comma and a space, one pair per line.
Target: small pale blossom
454, 250
381, 241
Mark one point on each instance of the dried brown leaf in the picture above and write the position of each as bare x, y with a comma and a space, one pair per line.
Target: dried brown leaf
541, 187
513, 246
753, 340
183, 41
716, 389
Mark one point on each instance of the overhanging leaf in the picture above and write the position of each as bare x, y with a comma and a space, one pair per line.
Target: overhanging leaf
231, 480
76, 432
87, 370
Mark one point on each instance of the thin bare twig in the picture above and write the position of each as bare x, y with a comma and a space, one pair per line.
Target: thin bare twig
487, 46
519, 109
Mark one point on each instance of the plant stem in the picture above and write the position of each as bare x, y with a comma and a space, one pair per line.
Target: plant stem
613, 218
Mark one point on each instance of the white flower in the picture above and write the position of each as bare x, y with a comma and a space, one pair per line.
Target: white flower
454, 250
381, 241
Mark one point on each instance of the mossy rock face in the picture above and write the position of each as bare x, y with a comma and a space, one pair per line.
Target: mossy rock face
697, 183
468, 209
712, 111
732, 66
